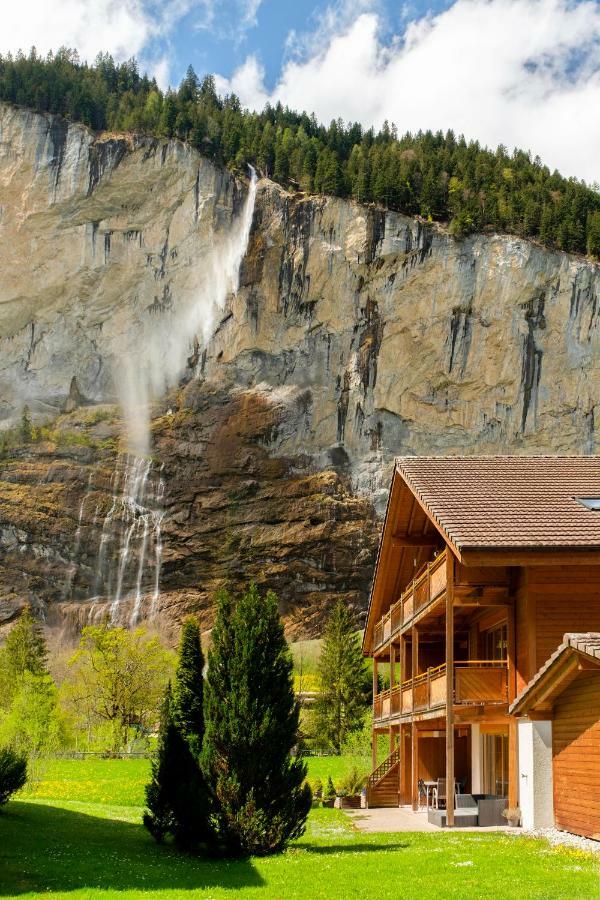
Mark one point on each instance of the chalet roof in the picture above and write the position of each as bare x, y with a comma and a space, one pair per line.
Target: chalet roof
501, 502
490, 510
586, 644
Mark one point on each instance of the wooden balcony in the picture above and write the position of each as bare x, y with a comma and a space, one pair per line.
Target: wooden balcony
475, 683
419, 594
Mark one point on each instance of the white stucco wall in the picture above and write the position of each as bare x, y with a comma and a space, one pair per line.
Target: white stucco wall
476, 776
535, 773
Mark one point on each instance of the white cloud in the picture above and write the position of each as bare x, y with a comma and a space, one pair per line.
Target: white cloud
120, 27
523, 73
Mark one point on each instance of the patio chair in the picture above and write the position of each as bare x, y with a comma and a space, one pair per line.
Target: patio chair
439, 793
422, 792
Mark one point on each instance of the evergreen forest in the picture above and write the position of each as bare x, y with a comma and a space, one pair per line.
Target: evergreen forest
441, 177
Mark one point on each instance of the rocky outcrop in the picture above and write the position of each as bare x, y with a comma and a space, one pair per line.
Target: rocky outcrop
356, 334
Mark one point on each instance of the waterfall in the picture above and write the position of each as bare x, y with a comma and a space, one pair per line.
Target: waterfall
130, 546
156, 351
130, 550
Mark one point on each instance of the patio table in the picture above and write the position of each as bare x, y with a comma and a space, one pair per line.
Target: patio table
429, 786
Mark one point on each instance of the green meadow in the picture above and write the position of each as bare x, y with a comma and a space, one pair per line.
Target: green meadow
76, 833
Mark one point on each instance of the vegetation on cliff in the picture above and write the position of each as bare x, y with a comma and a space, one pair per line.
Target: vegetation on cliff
438, 176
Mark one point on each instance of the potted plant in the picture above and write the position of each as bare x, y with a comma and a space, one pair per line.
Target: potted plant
328, 795
512, 815
351, 788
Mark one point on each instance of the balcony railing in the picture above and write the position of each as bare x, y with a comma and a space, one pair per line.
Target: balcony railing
476, 682
419, 593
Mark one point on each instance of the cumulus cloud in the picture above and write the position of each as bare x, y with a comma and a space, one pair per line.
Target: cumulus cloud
523, 73
120, 27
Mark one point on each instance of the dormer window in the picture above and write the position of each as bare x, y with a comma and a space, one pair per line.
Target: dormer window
592, 503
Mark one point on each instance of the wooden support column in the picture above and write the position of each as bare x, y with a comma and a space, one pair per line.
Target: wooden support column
414, 767
392, 665
415, 654
414, 773
402, 660
374, 742
449, 689
513, 760
375, 681
391, 737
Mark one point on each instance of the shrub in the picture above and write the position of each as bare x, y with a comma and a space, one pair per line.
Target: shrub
329, 790
13, 773
352, 783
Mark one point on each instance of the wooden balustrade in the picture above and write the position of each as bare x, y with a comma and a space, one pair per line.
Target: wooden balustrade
475, 682
418, 594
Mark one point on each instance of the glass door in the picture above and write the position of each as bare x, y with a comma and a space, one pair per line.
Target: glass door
496, 642
495, 764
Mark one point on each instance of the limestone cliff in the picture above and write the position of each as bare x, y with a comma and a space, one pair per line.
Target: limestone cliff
355, 335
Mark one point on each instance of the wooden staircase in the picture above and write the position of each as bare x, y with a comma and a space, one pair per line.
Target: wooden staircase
384, 782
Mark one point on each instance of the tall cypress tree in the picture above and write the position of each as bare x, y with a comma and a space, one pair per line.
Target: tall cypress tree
341, 704
159, 817
260, 799
188, 689
177, 797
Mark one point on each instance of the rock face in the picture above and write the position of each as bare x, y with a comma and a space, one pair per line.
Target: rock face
355, 335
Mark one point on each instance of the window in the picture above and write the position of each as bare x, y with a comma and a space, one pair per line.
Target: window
496, 642
495, 764
592, 503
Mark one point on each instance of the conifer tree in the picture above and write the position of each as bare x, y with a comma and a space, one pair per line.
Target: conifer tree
340, 707
189, 687
159, 817
177, 797
25, 647
260, 799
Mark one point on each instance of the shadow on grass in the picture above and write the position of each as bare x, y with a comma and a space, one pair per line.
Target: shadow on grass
335, 849
47, 848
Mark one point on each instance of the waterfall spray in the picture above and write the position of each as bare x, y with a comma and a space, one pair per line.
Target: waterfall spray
152, 360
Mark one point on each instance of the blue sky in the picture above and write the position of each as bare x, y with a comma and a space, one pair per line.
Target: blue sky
274, 32
523, 73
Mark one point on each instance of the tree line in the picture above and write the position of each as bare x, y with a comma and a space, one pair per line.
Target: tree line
441, 177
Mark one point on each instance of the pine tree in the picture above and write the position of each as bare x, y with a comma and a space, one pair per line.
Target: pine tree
341, 705
189, 687
26, 426
252, 716
25, 648
176, 795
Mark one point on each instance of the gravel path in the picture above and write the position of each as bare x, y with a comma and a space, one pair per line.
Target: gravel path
564, 838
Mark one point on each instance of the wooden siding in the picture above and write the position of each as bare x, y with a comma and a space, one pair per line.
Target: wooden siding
576, 751
566, 598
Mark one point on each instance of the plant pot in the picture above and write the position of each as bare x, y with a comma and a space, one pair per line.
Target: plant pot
328, 804
350, 802
514, 821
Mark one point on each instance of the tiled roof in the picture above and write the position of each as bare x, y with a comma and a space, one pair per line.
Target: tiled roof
508, 501
582, 642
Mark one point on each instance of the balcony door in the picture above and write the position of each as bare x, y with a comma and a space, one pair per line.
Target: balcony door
495, 764
496, 642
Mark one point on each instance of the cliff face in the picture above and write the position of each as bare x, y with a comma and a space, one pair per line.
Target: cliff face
355, 335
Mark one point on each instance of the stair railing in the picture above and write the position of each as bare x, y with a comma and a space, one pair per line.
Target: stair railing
382, 769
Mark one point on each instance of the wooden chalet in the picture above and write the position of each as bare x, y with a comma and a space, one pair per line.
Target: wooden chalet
484, 564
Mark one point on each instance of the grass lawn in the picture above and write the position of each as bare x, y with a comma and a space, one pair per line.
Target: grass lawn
78, 835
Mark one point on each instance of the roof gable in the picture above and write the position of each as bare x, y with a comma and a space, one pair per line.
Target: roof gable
558, 671
505, 502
